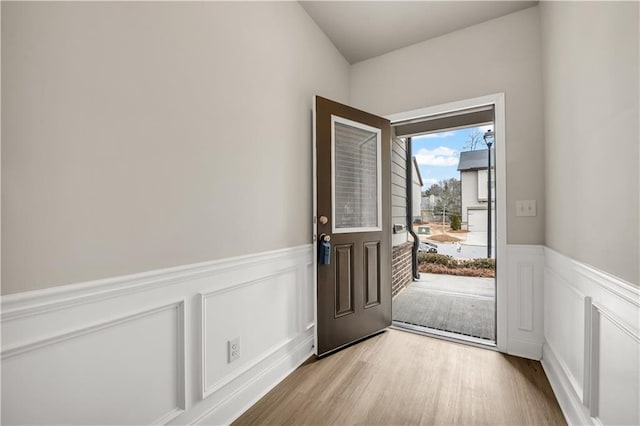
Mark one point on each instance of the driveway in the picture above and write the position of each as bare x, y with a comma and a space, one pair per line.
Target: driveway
476, 239
466, 251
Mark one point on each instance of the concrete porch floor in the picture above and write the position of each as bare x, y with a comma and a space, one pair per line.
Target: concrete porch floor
463, 305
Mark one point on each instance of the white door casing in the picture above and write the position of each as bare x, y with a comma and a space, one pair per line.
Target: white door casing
498, 102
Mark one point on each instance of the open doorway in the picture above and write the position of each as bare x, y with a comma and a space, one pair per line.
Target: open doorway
452, 173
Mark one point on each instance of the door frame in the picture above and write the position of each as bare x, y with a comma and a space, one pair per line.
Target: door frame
498, 102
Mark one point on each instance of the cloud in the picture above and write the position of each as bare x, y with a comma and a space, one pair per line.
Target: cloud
442, 156
441, 150
430, 181
438, 135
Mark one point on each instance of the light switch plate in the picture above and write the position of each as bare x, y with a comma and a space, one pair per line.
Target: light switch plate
525, 207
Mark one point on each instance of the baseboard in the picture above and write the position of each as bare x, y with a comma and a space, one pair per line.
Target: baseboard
574, 412
525, 349
237, 403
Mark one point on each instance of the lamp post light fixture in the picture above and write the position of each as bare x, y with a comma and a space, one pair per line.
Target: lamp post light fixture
489, 137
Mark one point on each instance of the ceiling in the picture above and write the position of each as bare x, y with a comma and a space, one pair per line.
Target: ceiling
365, 29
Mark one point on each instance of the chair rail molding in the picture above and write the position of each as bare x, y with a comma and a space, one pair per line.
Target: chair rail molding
161, 335
50, 299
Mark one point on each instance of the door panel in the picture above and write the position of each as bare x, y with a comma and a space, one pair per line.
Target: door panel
344, 280
372, 271
353, 151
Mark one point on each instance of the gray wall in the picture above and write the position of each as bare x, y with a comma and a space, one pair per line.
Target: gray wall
142, 136
399, 188
501, 55
139, 136
590, 74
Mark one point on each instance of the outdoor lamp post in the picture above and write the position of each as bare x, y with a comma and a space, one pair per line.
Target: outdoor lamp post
488, 139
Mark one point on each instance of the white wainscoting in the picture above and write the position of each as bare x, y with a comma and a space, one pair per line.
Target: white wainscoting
591, 352
152, 347
525, 283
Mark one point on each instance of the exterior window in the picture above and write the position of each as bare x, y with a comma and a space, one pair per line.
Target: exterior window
482, 184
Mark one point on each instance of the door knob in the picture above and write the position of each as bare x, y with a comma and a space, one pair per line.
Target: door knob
323, 220
324, 237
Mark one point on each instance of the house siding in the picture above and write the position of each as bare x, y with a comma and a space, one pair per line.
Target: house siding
399, 188
401, 272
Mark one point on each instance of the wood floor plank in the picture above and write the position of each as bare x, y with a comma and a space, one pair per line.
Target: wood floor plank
403, 378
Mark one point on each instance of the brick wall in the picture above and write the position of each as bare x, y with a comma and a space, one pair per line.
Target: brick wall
401, 273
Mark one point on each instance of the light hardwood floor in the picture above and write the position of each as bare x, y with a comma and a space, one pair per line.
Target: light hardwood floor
404, 378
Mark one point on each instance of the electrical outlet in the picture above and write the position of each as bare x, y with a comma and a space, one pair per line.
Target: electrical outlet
233, 347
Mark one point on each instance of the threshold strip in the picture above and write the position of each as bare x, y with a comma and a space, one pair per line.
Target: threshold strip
447, 335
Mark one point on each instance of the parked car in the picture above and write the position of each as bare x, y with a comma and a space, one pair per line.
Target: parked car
426, 247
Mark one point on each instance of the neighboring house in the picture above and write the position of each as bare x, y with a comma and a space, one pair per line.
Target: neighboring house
473, 189
417, 192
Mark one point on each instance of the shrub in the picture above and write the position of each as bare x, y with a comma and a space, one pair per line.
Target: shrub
438, 259
481, 263
432, 268
456, 225
453, 263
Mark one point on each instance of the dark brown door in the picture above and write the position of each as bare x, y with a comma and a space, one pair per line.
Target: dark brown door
353, 150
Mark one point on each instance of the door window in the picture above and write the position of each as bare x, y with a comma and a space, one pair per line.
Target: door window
356, 179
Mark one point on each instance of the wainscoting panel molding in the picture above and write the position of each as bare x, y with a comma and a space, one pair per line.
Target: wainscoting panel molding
592, 342
525, 298
67, 378
151, 348
223, 319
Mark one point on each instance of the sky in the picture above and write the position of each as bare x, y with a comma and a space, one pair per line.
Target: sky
438, 153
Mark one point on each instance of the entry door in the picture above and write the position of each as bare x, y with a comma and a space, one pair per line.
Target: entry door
353, 211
